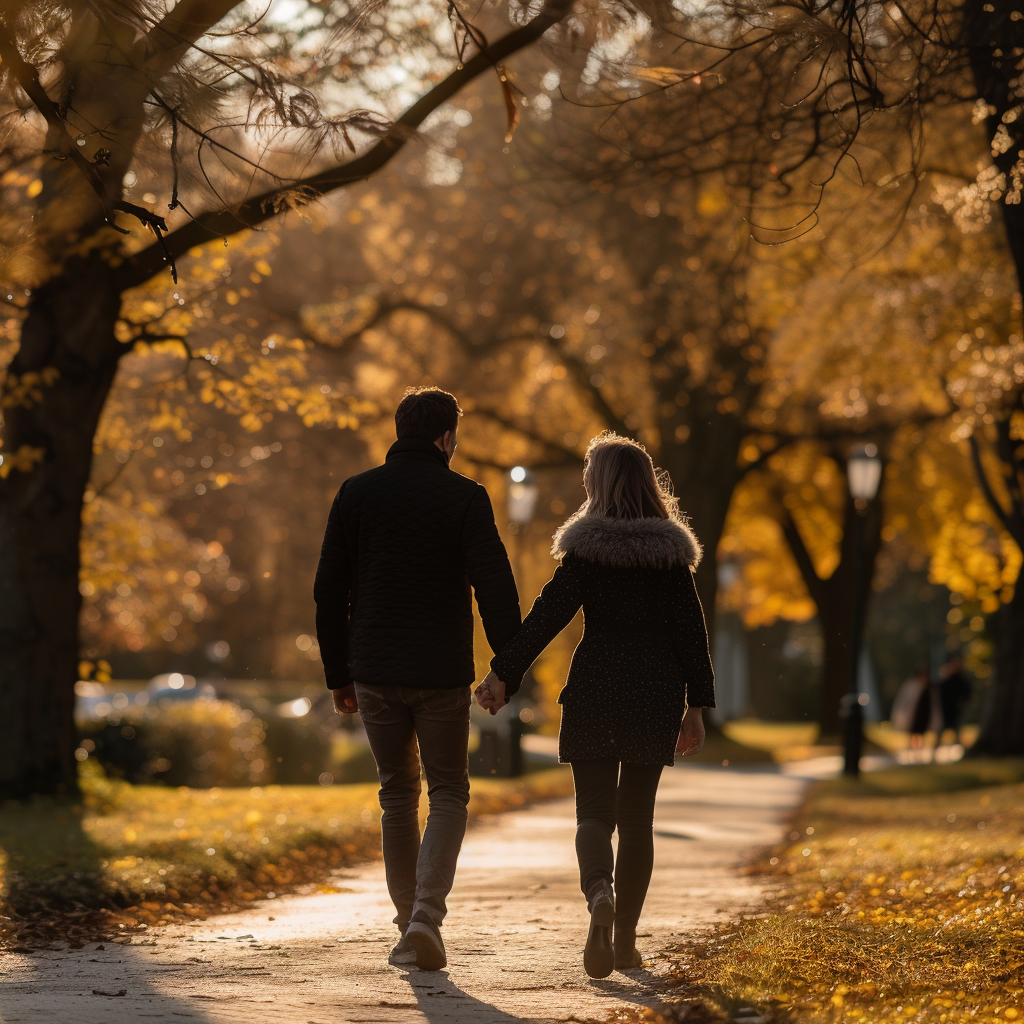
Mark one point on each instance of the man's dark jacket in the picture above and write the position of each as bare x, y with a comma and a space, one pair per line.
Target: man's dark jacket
404, 544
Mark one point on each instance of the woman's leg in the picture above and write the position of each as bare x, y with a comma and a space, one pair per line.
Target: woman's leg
595, 783
595, 822
634, 816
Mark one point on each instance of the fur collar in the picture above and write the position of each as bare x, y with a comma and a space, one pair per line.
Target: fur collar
649, 543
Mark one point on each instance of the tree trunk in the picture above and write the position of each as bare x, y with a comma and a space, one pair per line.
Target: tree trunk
987, 32
1002, 723
836, 618
68, 343
841, 599
705, 474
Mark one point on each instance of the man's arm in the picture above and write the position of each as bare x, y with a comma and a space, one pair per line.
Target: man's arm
490, 572
331, 592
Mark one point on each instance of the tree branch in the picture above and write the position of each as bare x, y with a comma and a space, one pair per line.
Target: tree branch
814, 583
176, 33
566, 456
504, 467
222, 223
781, 443
986, 486
26, 76
582, 374
1006, 446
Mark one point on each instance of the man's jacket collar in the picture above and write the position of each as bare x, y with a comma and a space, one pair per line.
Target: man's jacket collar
414, 448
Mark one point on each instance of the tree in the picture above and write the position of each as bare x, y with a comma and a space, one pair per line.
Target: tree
106, 98
956, 51
863, 354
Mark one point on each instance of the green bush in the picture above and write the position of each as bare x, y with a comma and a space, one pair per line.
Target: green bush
298, 750
201, 743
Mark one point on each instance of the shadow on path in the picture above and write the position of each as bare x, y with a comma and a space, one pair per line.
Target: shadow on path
441, 1001
112, 986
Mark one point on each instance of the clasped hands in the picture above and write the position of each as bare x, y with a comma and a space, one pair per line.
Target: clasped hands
490, 694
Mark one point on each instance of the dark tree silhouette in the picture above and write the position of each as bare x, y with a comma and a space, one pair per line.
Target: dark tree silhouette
222, 111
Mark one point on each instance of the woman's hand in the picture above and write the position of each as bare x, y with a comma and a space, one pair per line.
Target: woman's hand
691, 733
490, 694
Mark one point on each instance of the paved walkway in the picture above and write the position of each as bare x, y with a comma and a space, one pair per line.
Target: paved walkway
515, 930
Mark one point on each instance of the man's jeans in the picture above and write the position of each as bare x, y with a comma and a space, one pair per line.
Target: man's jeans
419, 873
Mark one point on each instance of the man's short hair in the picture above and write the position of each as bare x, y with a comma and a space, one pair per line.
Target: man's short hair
426, 414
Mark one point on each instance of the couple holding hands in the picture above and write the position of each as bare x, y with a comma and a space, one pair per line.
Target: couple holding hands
407, 545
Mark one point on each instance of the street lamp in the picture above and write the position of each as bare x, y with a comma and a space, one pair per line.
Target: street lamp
864, 474
522, 502
522, 497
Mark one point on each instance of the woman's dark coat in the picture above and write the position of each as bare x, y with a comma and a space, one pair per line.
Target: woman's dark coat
644, 653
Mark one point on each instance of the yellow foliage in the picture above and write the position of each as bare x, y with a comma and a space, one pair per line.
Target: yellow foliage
898, 900
22, 460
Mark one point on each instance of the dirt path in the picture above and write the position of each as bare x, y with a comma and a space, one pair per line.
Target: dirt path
515, 931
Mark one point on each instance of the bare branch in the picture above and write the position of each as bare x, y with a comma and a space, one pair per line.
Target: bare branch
25, 75
252, 212
176, 33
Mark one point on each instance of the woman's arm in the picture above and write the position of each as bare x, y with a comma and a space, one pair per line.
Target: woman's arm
691, 640
551, 613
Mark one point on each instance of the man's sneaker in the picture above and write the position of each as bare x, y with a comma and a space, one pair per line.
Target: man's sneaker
598, 958
402, 954
425, 938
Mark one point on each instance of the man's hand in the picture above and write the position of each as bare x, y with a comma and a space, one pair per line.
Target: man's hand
490, 694
691, 733
345, 700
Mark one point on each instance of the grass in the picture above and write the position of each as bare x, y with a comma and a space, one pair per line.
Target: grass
898, 898
722, 747
126, 857
782, 740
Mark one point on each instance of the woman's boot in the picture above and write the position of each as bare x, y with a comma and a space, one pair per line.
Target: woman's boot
598, 958
627, 956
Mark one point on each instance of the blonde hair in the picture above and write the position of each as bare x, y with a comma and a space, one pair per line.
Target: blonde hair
622, 483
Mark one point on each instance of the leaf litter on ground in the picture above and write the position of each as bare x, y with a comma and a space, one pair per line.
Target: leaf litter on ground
124, 858
898, 898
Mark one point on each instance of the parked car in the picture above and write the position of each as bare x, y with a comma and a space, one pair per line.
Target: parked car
174, 687
92, 701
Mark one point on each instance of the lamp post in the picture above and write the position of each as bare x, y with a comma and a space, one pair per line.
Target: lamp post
522, 497
522, 503
864, 474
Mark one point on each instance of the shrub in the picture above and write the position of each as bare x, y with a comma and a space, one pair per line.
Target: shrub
201, 743
298, 750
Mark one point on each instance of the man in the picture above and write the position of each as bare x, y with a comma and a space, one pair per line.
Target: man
405, 542
954, 692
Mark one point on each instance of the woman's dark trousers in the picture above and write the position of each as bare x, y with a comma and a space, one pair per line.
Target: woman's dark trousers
610, 796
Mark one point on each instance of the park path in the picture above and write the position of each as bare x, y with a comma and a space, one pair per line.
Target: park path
515, 930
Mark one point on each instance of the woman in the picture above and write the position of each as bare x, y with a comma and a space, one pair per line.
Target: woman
639, 678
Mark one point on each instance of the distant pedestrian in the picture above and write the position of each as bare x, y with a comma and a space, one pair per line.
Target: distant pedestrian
639, 678
954, 691
923, 706
405, 543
